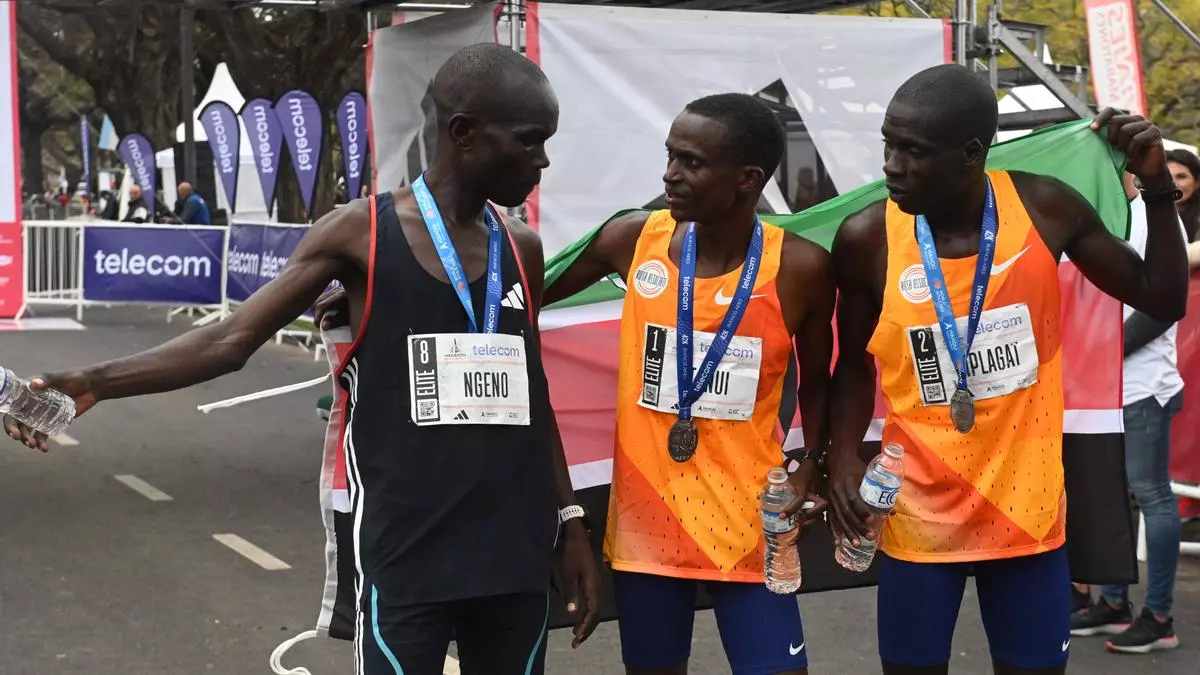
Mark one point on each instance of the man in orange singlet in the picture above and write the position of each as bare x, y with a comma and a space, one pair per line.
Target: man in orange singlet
983, 490
684, 506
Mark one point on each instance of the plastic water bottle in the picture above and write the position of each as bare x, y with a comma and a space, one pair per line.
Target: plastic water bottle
879, 489
47, 411
781, 557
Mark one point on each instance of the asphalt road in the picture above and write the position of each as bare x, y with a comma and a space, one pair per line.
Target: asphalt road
97, 578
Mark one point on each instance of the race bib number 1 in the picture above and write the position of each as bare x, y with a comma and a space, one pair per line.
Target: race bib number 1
732, 391
468, 378
1003, 357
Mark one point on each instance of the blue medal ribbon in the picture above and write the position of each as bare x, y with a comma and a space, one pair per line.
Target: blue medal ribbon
690, 388
453, 266
941, 297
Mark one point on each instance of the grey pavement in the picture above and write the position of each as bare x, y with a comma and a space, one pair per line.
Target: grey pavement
95, 578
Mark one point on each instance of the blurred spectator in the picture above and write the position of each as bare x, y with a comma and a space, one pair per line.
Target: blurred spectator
138, 211
190, 208
1185, 169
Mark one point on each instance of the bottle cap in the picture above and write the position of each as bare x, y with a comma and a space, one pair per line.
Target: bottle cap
894, 450
777, 476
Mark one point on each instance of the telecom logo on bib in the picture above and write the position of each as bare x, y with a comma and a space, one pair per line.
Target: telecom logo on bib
914, 285
650, 279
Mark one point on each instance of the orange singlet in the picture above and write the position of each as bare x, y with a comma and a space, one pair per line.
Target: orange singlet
996, 492
698, 519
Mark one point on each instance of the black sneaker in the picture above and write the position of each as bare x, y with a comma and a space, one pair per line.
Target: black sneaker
1101, 618
1145, 635
1079, 599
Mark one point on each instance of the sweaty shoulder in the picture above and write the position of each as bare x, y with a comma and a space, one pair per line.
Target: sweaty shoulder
1057, 210
860, 245
617, 240
806, 281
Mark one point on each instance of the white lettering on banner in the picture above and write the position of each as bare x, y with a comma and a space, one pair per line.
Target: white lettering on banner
153, 265
352, 152
242, 262
262, 129
729, 395
222, 137
139, 164
1003, 357
1113, 52
272, 264
468, 378
304, 152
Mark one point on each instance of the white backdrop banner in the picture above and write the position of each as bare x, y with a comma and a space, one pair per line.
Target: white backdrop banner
404, 59
623, 74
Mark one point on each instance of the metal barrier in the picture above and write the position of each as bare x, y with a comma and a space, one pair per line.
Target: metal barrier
53, 251
1185, 548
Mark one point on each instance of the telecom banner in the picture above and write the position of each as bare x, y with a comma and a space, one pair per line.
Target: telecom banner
257, 253
145, 263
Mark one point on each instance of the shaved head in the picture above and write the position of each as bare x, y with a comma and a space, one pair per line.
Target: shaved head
483, 80
956, 103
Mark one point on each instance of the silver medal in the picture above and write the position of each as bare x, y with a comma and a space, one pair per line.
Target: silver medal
962, 410
682, 440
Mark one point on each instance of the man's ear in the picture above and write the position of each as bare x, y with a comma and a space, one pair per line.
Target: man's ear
753, 179
975, 153
461, 128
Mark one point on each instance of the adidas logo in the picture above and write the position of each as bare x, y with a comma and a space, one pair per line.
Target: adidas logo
462, 415
515, 298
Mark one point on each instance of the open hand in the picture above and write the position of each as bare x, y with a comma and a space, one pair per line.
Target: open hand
74, 384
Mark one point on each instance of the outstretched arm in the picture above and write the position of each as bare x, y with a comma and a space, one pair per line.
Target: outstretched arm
221, 348
611, 251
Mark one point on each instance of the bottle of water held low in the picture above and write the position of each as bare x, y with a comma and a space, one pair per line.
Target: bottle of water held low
782, 557
47, 411
879, 489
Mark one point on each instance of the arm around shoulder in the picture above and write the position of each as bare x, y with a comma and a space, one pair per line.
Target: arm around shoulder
610, 251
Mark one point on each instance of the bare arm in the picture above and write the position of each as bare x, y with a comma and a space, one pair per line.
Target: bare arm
225, 347
610, 252
859, 263
808, 292
1156, 287
579, 565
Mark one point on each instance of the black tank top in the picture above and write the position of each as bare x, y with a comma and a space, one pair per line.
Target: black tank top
442, 512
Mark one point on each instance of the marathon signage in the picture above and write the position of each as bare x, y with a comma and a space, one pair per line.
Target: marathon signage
266, 140
225, 138
301, 121
174, 264
257, 254
352, 126
138, 155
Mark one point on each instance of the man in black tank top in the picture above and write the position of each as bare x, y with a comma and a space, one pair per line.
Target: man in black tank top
459, 486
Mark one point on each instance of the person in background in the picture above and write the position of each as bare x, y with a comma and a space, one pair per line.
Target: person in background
1185, 169
138, 211
1153, 394
191, 207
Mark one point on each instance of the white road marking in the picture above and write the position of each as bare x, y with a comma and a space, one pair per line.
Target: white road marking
252, 553
451, 667
143, 488
64, 440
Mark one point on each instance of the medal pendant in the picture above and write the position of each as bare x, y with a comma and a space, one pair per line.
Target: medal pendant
682, 440
962, 410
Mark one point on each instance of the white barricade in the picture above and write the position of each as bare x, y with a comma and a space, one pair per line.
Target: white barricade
1185, 548
53, 252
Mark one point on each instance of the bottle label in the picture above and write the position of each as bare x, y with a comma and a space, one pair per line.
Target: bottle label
774, 523
878, 496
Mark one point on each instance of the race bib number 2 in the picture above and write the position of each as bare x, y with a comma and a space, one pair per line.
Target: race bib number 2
1003, 357
732, 391
468, 378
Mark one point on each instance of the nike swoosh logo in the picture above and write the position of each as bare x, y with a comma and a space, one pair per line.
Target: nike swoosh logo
999, 269
1066, 643
722, 299
795, 650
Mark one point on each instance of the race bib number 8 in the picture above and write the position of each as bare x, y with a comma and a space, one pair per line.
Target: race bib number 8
468, 378
1003, 358
732, 391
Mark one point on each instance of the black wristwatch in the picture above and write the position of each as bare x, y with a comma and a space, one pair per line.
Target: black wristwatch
1161, 196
